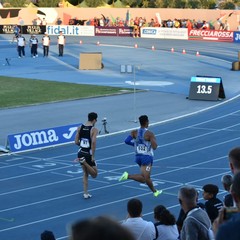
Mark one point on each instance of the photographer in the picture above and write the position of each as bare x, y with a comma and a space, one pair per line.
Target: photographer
226, 226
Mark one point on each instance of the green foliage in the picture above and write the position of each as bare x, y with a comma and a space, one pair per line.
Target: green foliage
194, 4
95, 3
131, 3
74, 2
151, 3
180, 3
168, 3
16, 3
48, 3
229, 5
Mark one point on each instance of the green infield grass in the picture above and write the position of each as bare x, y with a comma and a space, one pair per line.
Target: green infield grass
20, 92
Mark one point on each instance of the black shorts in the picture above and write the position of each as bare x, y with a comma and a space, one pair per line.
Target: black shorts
88, 158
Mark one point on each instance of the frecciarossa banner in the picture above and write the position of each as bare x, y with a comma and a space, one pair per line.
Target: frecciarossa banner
41, 138
210, 35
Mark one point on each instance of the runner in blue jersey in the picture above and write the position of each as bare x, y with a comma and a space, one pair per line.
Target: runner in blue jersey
144, 142
86, 139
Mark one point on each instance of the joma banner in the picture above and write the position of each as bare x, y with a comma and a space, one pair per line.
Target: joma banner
41, 138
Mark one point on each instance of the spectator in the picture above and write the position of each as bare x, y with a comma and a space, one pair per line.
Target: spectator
44, 22
47, 235
229, 229
39, 21
166, 224
182, 215
141, 229
226, 26
100, 228
234, 160
197, 224
59, 21
227, 182
205, 26
212, 204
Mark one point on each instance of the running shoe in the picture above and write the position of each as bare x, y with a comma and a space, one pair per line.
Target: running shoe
157, 193
87, 195
123, 177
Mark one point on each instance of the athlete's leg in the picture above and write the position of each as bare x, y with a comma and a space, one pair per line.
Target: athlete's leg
146, 173
137, 177
92, 170
85, 179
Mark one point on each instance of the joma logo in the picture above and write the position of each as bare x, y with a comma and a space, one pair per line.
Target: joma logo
35, 138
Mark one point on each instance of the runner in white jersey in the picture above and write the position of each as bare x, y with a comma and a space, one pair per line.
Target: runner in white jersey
144, 142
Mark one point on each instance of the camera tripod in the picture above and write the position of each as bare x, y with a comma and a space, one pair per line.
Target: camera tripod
104, 126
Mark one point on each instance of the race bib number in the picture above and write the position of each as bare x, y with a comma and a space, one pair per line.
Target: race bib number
142, 149
84, 143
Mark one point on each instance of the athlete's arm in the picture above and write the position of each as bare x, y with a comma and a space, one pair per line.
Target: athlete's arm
151, 137
129, 140
77, 137
94, 141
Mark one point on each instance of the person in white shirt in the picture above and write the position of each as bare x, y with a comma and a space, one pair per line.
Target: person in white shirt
61, 43
46, 44
141, 229
165, 224
21, 42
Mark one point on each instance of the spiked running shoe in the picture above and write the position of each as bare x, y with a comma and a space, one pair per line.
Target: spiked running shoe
157, 193
123, 177
87, 195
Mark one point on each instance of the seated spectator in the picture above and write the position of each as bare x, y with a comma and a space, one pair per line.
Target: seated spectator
227, 182
182, 215
99, 228
229, 229
212, 204
205, 26
141, 229
165, 224
197, 224
234, 160
59, 21
47, 235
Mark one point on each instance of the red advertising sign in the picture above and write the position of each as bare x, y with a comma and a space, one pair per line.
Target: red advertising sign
210, 35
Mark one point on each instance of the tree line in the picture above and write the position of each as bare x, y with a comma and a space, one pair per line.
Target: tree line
192, 4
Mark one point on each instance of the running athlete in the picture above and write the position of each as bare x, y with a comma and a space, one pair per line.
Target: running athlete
144, 142
86, 139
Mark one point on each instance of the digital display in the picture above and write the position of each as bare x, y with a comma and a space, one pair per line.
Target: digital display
206, 88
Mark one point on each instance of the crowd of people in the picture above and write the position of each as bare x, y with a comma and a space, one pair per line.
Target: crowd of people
103, 21
209, 221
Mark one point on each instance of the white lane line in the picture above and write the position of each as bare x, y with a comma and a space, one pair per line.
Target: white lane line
79, 211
